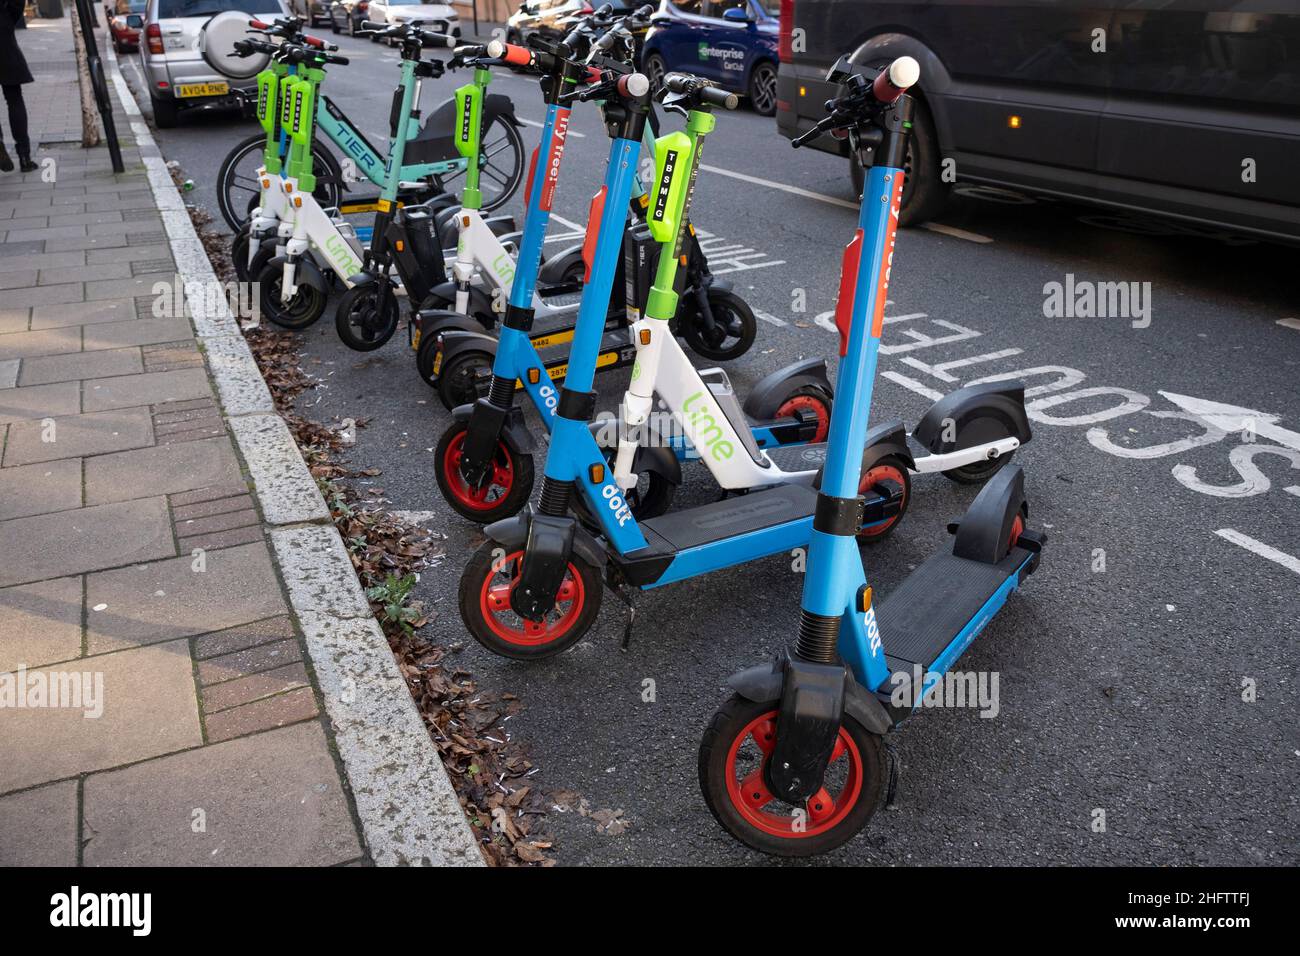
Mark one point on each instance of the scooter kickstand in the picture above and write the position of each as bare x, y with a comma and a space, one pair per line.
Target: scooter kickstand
891, 788
620, 592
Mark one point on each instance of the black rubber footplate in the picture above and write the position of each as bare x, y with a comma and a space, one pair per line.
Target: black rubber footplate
734, 516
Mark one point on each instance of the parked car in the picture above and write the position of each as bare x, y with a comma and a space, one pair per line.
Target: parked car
125, 24
346, 16
125, 31
437, 17
312, 11
731, 42
177, 74
1177, 109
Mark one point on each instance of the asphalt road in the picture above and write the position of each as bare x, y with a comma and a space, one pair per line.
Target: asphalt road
1121, 689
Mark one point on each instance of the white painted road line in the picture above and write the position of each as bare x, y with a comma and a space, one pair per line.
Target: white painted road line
910, 383
785, 188
1290, 562
770, 319
955, 232
1289, 323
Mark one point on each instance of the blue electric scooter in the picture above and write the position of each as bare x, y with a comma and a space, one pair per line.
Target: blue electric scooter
794, 764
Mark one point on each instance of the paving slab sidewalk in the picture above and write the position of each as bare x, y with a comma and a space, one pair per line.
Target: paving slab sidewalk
170, 691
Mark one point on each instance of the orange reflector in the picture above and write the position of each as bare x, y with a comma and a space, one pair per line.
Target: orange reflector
297, 202
288, 186
597, 474
266, 184
534, 376
645, 336
464, 221
401, 246
1013, 122
864, 599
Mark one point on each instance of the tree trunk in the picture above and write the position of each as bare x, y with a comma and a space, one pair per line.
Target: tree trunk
89, 119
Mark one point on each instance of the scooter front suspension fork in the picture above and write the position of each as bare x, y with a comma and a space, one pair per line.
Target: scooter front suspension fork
483, 433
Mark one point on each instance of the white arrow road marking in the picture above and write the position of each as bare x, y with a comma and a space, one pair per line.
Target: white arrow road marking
770, 319
1289, 323
1290, 562
1235, 418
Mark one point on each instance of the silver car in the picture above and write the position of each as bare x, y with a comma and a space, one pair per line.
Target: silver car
178, 76
436, 17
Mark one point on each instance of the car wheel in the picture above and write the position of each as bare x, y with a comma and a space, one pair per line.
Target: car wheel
762, 89
655, 70
924, 191
164, 112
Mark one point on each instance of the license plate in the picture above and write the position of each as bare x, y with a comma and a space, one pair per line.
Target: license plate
437, 363
202, 89
415, 337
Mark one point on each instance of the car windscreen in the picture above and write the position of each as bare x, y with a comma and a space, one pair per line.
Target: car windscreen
173, 9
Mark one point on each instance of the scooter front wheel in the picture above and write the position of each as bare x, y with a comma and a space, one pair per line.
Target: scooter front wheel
490, 576
508, 486
366, 316
733, 778
303, 308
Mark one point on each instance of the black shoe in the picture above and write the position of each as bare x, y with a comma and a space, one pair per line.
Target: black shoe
26, 165
6, 164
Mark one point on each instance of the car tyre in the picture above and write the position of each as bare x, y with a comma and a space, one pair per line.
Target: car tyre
655, 70
164, 112
762, 88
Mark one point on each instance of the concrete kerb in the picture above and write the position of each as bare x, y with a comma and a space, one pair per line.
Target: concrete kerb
408, 808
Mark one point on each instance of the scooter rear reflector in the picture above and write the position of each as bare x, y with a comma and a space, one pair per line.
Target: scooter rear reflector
593, 230
848, 286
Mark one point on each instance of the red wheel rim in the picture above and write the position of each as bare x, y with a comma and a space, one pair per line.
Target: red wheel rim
478, 499
494, 602
793, 404
1017, 526
750, 796
872, 476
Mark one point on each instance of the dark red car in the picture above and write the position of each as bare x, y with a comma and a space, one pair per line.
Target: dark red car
124, 27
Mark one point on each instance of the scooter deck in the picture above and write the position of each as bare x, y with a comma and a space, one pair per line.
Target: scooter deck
930, 609
808, 457
682, 544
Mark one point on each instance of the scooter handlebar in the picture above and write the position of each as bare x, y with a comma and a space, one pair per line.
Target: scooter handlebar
688, 85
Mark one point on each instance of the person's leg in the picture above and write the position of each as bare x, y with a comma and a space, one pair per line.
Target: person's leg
6, 164
18, 124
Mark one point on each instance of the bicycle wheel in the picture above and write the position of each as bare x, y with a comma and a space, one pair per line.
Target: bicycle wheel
501, 164
238, 188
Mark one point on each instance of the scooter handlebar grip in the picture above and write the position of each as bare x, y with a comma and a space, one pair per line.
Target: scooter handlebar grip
895, 81
634, 85
441, 40
259, 24
720, 98
514, 55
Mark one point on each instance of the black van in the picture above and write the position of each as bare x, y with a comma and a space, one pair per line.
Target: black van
1185, 108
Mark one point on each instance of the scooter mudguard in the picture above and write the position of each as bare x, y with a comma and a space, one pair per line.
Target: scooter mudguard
762, 684
306, 272
480, 303
887, 438
951, 423
658, 460
553, 271
766, 396
434, 321
509, 427
984, 530
512, 534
